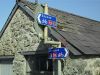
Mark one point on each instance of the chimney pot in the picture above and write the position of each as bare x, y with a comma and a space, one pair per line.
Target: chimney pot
20, 0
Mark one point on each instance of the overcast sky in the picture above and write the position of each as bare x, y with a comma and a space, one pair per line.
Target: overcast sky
85, 8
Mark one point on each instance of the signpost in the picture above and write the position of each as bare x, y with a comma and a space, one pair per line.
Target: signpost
54, 53
47, 20
58, 53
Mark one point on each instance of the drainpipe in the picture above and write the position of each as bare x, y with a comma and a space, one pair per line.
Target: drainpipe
46, 38
46, 32
56, 63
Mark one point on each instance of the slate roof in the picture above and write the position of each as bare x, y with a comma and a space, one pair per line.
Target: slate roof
81, 35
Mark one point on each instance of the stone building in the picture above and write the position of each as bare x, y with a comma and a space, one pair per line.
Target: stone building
22, 47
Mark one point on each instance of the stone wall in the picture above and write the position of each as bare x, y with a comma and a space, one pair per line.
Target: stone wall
20, 35
19, 65
82, 66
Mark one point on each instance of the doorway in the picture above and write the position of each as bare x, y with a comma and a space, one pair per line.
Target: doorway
39, 65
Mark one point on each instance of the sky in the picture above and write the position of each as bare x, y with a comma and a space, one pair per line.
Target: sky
86, 8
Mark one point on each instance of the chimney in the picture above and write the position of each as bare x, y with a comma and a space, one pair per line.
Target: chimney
20, 0
36, 1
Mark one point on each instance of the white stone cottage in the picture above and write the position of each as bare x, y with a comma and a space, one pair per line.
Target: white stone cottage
23, 52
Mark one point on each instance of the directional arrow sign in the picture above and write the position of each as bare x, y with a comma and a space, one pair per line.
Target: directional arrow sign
58, 53
47, 20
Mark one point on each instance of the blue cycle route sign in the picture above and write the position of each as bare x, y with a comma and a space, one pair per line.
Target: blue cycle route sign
58, 53
47, 20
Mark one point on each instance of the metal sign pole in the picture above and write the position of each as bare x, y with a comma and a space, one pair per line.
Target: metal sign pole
59, 64
59, 67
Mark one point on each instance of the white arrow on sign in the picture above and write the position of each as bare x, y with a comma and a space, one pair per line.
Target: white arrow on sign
66, 52
39, 18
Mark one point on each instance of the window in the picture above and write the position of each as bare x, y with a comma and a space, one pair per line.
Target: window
5, 68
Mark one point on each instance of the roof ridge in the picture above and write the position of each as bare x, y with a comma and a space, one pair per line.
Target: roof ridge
74, 14
65, 12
